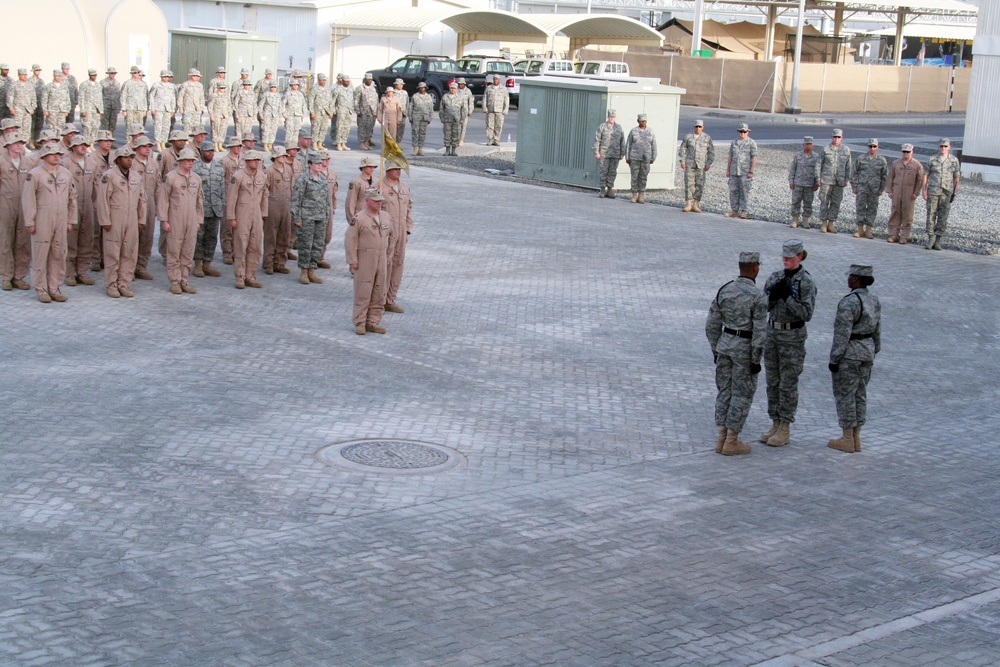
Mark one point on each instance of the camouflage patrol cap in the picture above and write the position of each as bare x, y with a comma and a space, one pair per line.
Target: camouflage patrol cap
807, 140
134, 69
392, 164
4, 66
398, 82
368, 76
51, 149
873, 142
325, 154
278, 151
641, 117
749, 257
367, 162
64, 65
837, 133
123, 151
296, 72
791, 248
170, 73
268, 71
36, 68
294, 148
105, 135
244, 70
187, 154
142, 141
314, 158
111, 70
221, 84
346, 77
233, 142
743, 128
57, 72
863, 270
461, 81
136, 128
453, 84
9, 123
248, 136
907, 148
21, 70
207, 146
177, 135
91, 72
293, 82
321, 77
273, 84
79, 140
422, 84
305, 132
945, 141
374, 195
220, 70
70, 128
246, 82
164, 73
699, 123
193, 72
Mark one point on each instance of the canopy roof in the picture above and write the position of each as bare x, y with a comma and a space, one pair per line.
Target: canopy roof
933, 31
744, 37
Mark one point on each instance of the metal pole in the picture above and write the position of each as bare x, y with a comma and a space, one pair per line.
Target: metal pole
699, 13
793, 106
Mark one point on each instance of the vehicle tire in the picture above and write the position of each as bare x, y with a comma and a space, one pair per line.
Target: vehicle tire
435, 98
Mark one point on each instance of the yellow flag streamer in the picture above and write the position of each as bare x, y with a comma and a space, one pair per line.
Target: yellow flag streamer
392, 151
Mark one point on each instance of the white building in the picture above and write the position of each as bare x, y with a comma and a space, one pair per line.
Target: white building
981, 147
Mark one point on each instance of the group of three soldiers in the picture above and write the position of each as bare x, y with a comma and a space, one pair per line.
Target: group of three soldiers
746, 324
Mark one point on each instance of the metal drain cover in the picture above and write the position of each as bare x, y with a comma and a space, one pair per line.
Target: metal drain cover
391, 456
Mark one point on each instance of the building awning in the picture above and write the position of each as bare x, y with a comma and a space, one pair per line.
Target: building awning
957, 33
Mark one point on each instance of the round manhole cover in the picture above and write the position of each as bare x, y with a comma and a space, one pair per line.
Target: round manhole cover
391, 456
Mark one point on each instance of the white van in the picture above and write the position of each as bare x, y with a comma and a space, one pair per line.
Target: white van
539, 67
603, 69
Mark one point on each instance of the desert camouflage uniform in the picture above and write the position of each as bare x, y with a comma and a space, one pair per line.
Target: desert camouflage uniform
92, 104
738, 306
311, 210
941, 174
835, 173
111, 93
869, 179
261, 88
785, 349
404, 101
640, 152
421, 112
220, 108
496, 102
135, 101
742, 152
162, 100
213, 187
321, 110
453, 113
38, 118
470, 104
366, 107
803, 173
191, 103
856, 340
697, 153
343, 105
21, 99
271, 110
74, 95
5, 82
55, 105
609, 143
296, 111
244, 110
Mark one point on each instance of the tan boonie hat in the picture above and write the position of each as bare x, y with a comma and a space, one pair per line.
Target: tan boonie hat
907, 148
248, 136
177, 135
123, 151
105, 135
48, 135
873, 142
252, 155
278, 151
367, 162
187, 154
392, 164
52, 149
79, 140
70, 128
135, 129
36, 68
749, 257
134, 69
220, 70
164, 72
397, 82
14, 139
193, 72
111, 70
863, 270
743, 128
142, 141
374, 195
9, 123
233, 142
325, 154
196, 131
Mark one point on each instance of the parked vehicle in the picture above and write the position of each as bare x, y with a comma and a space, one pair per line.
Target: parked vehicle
543, 66
489, 65
436, 71
601, 69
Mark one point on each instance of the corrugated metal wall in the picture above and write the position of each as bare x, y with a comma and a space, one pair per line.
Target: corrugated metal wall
982, 140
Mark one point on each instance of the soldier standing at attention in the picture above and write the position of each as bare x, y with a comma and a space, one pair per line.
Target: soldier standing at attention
213, 188
263, 86
903, 187
640, 154
280, 180
609, 149
146, 168
470, 106
231, 163
111, 92
399, 206
220, 108
697, 155
735, 328
246, 208
453, 113
331, 178
296, 111
237, 85
421, 112
359, 187
366, 106
244, 109
857, 338
55, 102
38, 119
404, 101
310, 209
180, 209
302, 150
98, 163
21, 101
191, 101
390, 113
48, 202
91, 105
121, 211
739, 170
72, 88
320, 111
344, 109
365, 243
80, 239
940, 187
270, 111
135, 99
496, 104
213, 85
835, 174
803, 181
5, 82
15, 242
791, 300
868, 182
163, 106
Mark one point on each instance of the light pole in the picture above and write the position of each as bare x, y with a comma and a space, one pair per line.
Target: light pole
793, 106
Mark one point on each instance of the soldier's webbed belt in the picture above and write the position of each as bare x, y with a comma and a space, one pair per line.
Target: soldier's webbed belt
855, 336
738, 333
787, 326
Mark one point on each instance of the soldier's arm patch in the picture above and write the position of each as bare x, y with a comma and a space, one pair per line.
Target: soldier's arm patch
350, 187
104, 178
27, 177
232, 179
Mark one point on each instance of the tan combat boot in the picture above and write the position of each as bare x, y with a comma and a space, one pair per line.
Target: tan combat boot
304, 276
868, 232
795, 221
642, 196
721, 440
43, 296
860, 233
206, 268
805, 221
176, 289
831, 226
694, 206
375, 328
857, 438
845, 443
611, 193
824, 226
732, 446
198, 271
360, 330
687, 207
604, 192
732, 214
635, 197
781, 436
774, 429
314, 278
188, 289
744, 215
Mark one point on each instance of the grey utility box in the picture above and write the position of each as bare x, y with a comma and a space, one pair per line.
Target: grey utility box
557, 118
205, 50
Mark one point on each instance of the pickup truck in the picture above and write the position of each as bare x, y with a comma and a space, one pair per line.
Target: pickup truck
490, 65
436, 71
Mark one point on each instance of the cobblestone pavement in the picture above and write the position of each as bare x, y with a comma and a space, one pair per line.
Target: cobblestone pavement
162, 501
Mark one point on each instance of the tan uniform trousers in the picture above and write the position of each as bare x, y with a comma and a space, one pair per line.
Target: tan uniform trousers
247, 238
48, 202
180, 204
121, 251
901, 218
48, 256
366, 243
247, 204
15, 242
80, 240
277, 228
121, 206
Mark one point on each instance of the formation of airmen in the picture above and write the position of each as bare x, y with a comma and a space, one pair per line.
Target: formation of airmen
78, 205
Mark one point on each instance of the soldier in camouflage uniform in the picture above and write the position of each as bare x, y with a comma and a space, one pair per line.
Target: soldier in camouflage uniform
452, 113
496, 105
835, 174
857, 338
55, 102
111, 93
640, 154
310, 215
91, 106
940, 187
697, 154
191, 101
263, 86
344, 110
163, 106
803, 181
736, 331
739, 170
237, 86
421, 112
366, 107
791, 300
38, 118
404, 101
244, 109
320, 110
296, 111
609, 149
220, 108
213, 187
470, 103
271, 111
213, 85
21, 102
868, 182
135, 99
5, 81
73, 89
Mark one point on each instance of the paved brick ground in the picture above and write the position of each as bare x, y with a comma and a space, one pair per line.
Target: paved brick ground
161, 501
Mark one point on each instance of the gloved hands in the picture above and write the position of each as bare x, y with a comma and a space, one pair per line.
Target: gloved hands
779, 290
754, 369
834, 368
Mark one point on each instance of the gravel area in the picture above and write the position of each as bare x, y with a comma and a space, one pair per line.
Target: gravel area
971, 226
